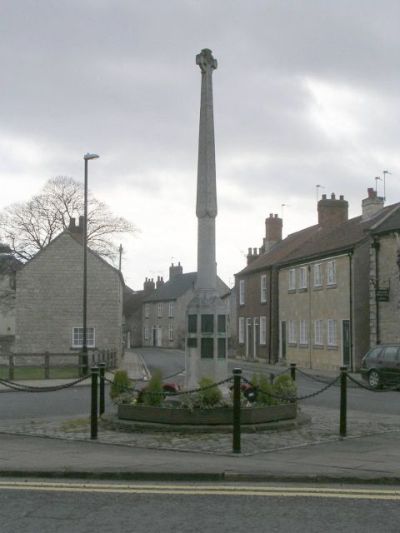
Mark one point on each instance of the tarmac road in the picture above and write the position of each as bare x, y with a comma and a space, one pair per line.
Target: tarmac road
32, 506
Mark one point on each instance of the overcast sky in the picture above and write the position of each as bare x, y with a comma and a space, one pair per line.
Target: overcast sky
307, 92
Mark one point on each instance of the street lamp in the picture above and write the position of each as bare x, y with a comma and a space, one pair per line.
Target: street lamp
85, 362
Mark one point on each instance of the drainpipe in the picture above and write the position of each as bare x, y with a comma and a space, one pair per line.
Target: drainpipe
270, 344
376, 246
351, 309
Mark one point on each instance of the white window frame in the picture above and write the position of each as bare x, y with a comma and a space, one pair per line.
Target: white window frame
332, 332
303, 277
171, 309
263, 288
263, 330
159, 310
319, 332
331, 272
292, 279
241, 292
171, 332
303, 332
292, 332
146, 310
241, 330
318, 275
77, 337
146, 333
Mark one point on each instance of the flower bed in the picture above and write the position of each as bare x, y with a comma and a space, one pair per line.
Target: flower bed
206, 417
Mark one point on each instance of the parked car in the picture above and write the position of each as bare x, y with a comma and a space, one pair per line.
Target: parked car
381, 365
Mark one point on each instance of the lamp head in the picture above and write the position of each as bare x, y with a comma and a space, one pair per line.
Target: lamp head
88, 156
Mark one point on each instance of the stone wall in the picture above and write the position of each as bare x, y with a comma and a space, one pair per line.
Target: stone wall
385, 315
311, 304
49, 300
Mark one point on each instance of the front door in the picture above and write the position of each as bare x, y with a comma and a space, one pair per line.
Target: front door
283, 340
159, 336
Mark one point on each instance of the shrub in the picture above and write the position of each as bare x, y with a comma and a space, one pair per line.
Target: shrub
120, 385
285, 387
264, 390
153, 393
209, 396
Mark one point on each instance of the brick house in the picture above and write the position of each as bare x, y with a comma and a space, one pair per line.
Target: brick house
256, 288
49, 299
164, 311
325, 288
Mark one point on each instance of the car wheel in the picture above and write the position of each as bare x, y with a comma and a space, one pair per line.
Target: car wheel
374, 379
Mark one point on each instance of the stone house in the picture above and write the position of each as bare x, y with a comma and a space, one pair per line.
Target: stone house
9, 266
133, 313
49, 299
164, 311
326, 288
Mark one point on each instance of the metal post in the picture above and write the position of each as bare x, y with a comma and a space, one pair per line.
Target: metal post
93, 414
46, 365
85, 362
343, 401
102, 367
236, 409
11, 367
293, 371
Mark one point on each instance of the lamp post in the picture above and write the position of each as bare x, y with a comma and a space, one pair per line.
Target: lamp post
85, 362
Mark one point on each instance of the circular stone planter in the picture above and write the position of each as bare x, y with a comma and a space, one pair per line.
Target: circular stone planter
219, 416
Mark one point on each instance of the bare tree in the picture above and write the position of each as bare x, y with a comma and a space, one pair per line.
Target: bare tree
29, 227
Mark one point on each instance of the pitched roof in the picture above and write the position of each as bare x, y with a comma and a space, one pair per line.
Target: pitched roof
317, 241
79, 241
173, 288
178, 285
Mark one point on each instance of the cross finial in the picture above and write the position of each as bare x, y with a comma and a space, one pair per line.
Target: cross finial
206, 61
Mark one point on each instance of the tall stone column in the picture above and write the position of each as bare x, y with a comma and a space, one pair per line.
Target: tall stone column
207, 314
206, 205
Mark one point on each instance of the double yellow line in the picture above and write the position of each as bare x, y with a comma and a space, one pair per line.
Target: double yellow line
206, 490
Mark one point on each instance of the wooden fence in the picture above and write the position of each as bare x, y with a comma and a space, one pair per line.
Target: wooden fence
14, 362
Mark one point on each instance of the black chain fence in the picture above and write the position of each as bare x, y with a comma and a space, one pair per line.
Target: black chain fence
20, 387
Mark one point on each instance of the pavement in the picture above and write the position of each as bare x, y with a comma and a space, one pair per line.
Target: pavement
313, 452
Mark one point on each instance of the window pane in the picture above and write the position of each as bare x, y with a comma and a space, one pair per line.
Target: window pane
207, 348
192, 323
221, 323
207, 323
222, 348
192, 343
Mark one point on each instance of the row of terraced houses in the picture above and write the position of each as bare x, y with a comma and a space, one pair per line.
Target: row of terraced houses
323, 295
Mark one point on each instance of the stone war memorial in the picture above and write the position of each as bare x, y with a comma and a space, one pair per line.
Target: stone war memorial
207, 314
199, 407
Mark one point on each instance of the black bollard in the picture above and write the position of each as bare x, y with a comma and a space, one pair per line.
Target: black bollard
293, 371
343, 401
93, 413
102, 368
236, 409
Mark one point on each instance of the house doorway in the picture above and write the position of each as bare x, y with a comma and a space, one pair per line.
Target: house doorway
159, 336
283, 340
346, 343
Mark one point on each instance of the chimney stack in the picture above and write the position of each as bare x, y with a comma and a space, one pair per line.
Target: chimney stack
273, 232
175, 271
252, 255
372, 204
332, 211
148, 285
160, 282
